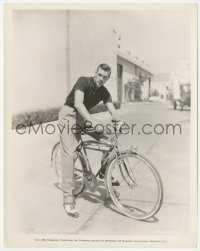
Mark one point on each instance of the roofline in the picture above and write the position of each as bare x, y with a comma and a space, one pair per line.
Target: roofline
133, 61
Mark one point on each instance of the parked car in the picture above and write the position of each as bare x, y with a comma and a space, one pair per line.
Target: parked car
184, 96
154, 98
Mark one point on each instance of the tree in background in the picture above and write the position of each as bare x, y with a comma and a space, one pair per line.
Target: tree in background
154, 93
137, 87
133, 90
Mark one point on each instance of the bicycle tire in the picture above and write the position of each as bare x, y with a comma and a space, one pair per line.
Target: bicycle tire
79, 184
135, 211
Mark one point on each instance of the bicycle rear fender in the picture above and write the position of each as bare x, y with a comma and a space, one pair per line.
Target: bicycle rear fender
113, 156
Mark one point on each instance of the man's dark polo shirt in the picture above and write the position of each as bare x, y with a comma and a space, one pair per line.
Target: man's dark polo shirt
92, 95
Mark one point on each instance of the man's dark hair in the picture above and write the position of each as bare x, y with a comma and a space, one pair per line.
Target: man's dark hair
104, 67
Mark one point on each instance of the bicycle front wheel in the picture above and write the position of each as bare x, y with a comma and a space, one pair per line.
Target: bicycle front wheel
140, 191
79, 184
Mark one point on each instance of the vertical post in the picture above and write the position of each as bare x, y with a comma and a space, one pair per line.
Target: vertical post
149, 87
68, 50
119, 82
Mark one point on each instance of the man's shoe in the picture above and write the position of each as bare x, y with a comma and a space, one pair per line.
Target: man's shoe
71, 210
114, 181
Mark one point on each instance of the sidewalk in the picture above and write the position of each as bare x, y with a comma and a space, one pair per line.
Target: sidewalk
38, 203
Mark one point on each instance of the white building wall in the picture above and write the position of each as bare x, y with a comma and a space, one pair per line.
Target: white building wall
39, 59
128, 69
52, 49
128, 72
131, 71
145, 90
161, 87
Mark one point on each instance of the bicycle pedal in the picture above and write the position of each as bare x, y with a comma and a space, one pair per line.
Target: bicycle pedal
91, 181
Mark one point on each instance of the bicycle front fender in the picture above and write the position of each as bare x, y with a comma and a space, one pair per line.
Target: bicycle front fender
113, 156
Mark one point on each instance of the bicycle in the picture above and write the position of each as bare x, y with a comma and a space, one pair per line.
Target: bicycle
140, 191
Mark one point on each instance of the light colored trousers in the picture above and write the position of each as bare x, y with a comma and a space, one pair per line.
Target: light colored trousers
68, 118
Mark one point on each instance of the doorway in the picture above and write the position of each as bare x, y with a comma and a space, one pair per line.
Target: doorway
119, 82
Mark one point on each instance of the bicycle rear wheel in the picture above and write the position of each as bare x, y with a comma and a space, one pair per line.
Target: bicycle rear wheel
140, 191
79, 184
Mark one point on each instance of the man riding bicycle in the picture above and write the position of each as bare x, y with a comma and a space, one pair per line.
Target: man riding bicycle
86, 93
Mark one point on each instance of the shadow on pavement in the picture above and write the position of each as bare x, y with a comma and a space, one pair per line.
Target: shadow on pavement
100, 196
185, 109
109, 204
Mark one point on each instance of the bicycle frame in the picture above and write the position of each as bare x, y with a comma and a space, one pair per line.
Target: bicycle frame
117, 159
106, 147
94, 145
98, 145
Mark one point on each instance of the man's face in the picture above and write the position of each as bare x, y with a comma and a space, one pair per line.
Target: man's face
101, 77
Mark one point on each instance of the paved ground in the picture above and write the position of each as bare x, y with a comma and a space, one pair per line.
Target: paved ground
38, 203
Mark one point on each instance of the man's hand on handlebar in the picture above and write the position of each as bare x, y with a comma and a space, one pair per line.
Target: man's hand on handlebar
118, 125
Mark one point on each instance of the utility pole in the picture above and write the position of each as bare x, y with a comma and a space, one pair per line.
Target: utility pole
68, 50
149, 88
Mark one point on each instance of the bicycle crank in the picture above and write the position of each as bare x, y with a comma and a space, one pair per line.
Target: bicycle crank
90, 181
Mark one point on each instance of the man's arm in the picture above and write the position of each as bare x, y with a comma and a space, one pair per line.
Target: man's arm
115, 116
113, 111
